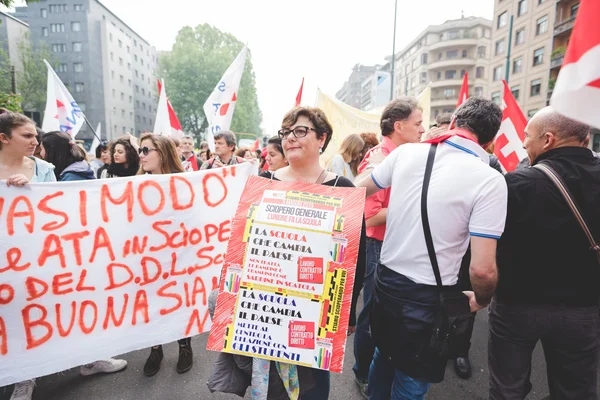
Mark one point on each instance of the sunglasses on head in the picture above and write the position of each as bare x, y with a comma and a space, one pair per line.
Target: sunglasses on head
145, 150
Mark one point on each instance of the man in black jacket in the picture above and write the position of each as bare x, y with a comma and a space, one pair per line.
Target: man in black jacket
549, 283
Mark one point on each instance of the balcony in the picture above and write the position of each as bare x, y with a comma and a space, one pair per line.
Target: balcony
556, 62
444, 101
446, 83
564, 25
461, 41
453, 62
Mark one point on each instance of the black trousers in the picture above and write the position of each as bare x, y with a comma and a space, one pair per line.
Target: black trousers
465, 329
569, 336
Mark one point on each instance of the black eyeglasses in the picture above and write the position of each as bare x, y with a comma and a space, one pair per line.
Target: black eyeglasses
299, 132
146, 150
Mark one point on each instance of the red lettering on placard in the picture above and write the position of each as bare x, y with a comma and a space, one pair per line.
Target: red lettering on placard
111, 276
161, 204
83, 207
52, 247
223, 229
175, 199
202, 256
3, 338
195, 320
207, 192
162, 292
126, 197
210, 230
32, 290
174, 272
110, 312
13, 256
61, 280
12, 214
146, 278
156, 226
137, 247
61, 330
102, 240
7, 294
43, 207
80, 284
76, 237
140, 304
199, 288
30, 324
84, 304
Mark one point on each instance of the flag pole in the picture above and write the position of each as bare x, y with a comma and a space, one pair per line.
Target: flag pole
91, 127
393, 53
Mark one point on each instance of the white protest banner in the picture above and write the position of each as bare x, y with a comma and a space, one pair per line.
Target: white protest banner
89, 270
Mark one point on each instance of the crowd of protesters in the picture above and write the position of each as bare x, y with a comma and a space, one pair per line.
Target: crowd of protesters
446, 233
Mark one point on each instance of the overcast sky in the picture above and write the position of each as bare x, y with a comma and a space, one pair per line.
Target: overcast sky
320, 40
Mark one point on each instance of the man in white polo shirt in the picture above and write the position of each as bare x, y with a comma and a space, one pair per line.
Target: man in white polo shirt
466, 203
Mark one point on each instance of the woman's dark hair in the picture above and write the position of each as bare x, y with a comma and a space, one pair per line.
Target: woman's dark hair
61, 151
131, 155
316, 116
276, 142
11, 120
101, 147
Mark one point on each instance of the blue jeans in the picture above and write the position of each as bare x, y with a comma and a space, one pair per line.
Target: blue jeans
363, 344
387, 382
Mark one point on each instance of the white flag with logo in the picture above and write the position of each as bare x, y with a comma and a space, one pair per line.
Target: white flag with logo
162, 125
220, 104
62, 112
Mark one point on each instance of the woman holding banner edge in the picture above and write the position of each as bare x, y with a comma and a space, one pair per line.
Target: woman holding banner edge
305, 133
158, 155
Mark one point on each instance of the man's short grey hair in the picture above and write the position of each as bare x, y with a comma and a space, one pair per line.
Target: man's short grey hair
563, 127
228, 136
187, 137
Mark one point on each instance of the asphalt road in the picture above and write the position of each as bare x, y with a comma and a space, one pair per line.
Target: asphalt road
131, 384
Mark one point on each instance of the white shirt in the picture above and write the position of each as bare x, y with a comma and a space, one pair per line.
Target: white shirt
466, 198
340, 167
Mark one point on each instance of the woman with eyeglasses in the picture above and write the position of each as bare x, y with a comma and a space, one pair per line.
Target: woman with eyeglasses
158, 155
124, 159
305, 133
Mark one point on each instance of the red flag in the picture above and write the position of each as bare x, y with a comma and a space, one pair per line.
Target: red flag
508, 146
577, 90
299, 95
175, 125
464, 91
256, 145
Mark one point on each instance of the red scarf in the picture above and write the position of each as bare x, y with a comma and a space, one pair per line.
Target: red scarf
194, 162
454, 132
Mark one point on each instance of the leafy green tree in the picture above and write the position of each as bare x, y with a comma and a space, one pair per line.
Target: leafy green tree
5, 70
11, 102
32, 81
193, 68
9, 3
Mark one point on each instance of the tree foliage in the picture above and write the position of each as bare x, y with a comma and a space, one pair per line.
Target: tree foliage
11, 102
5, 70
193, 68
9, 3
32, 81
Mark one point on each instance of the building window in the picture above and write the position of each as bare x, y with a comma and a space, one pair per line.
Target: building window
453, 35
449, 93
123, 99
439, 76
479, 72
78, 67
75, 26
143, 77
45, 32
536, 87
540, 2
478, 91
531, 113
423, 58
79, 86
464, 54
520, 37
63, 67
59, 48
515, 92
541, 25
518, 65
135, 57
500, 46
129, 66
129, 82
423, 77
414, 66
110, 37
144, 106
142, 61
77, 46
137, 89
498, 73
496, 97
114, 93
538, 56
574, 9
130, 99
502, 19
121, 79
120, 61
450, 74
44, 13
112, 74
143, 92
55, 28
522, 7
57, 8
120, 43
450, 54
481, 52
131, 117
128, 50
78, 7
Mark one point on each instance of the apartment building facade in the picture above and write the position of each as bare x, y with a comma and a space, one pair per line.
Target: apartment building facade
108, 67
12, 30
351, 91
376, 89
441, 55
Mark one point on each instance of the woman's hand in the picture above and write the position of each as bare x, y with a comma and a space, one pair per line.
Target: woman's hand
17, 180
351, 330
133, 141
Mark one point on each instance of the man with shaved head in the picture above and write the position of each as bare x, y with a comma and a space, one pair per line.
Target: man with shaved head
549, 278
